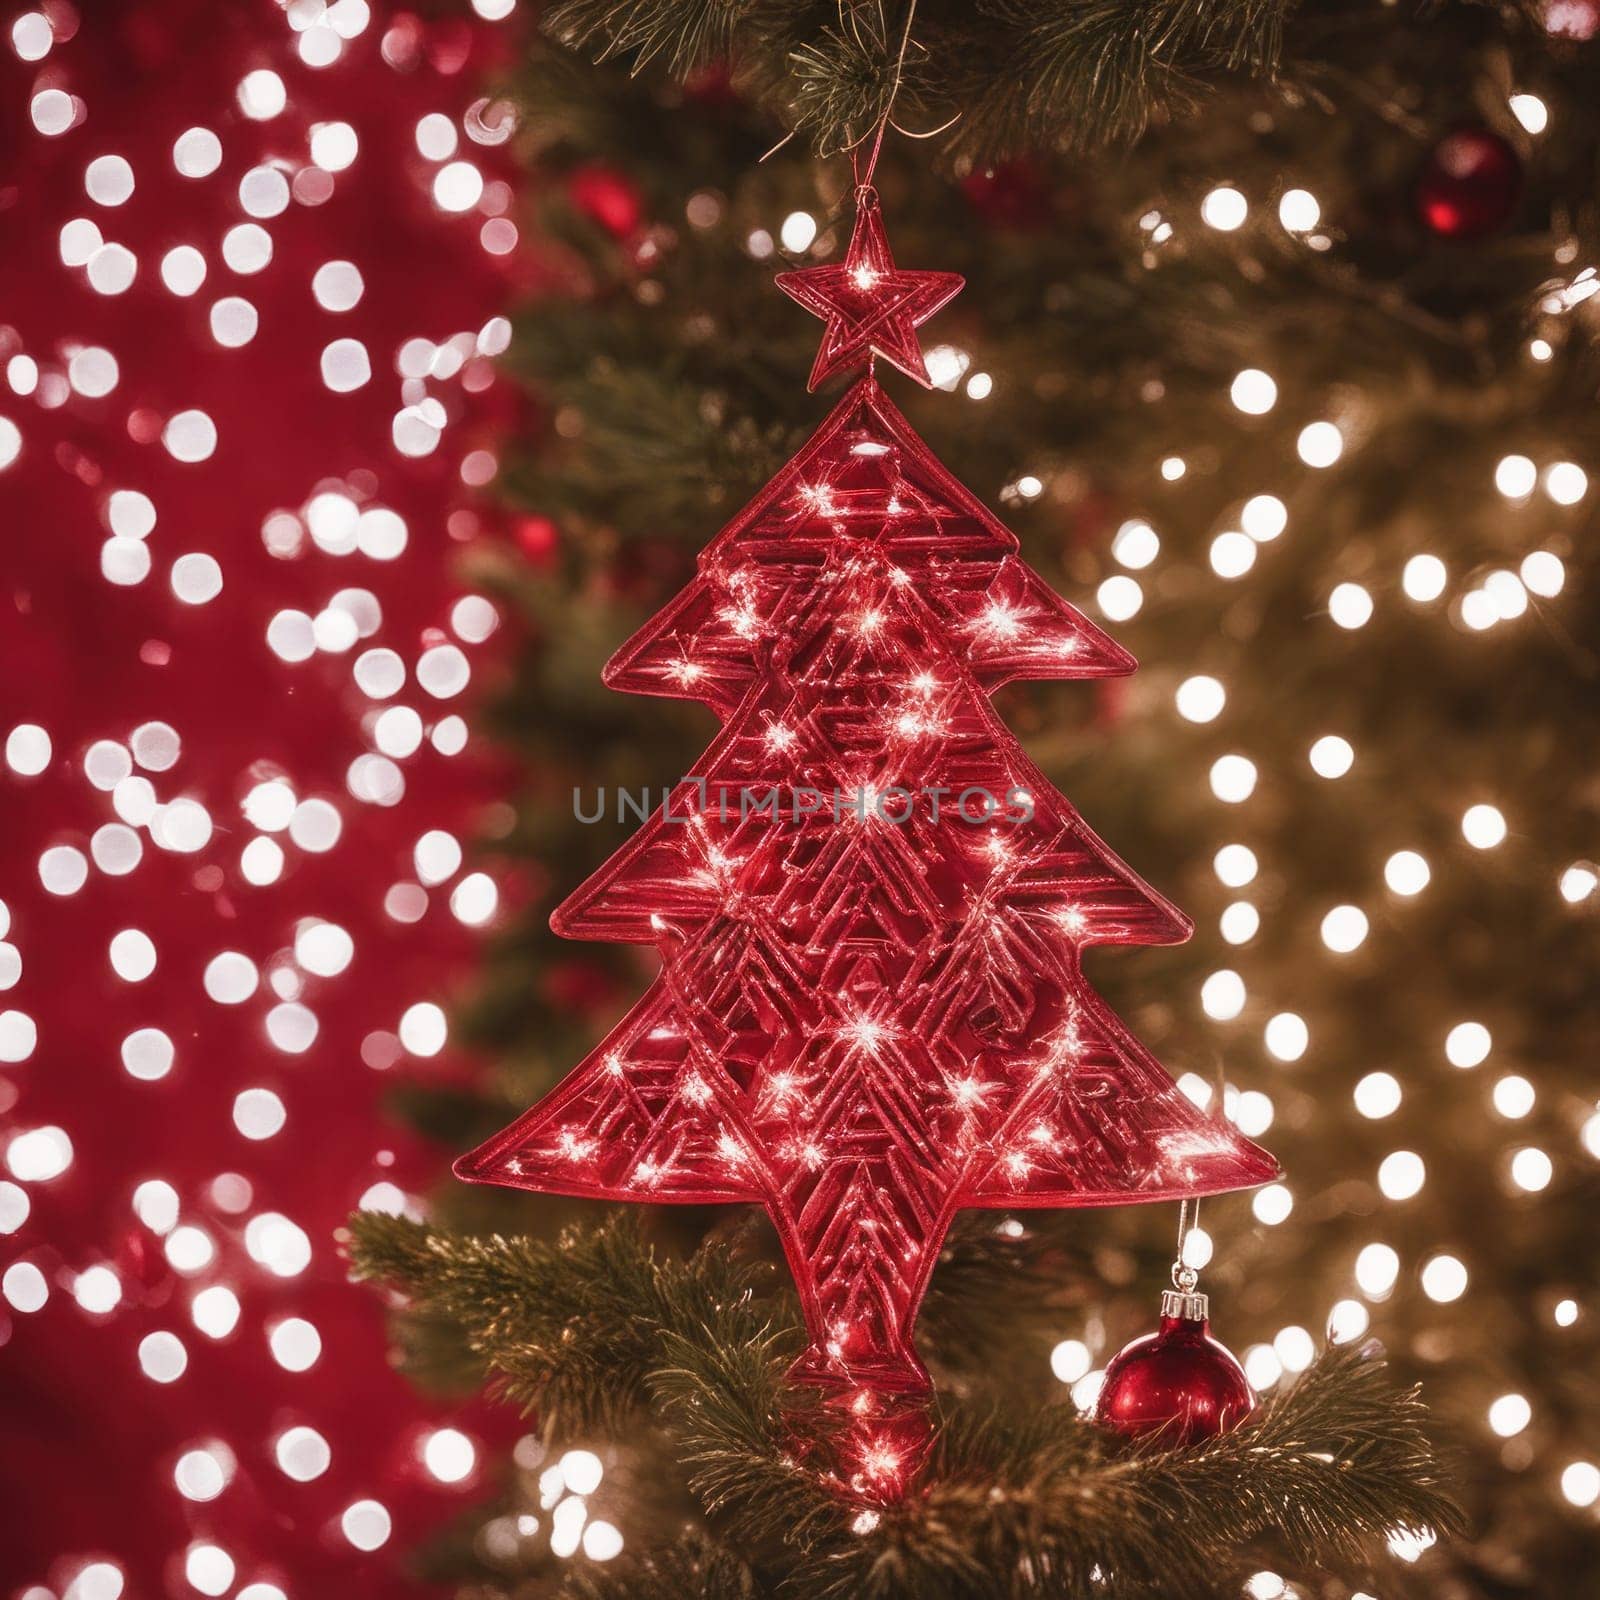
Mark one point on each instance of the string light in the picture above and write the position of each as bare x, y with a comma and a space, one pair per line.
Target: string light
1566, 482
1264, 517
1516, 477
1224, 209
1444, 1279
1350, 606
1232, 554
1531, 1169
1543, 573
1135, 545
1467, 1044
1299, 211
1377, 1269
1378, 1095
1253, 392
1320, 444
1424, 578
1580, 1483
1331, 756
1513, 1096
1401, 1175
1530, 111
1483, 826
1287, 1036
1344, 929
1200, 699
1406, 873
1233, 778
1509, 1415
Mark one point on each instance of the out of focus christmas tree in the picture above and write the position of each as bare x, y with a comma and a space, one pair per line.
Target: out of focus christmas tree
1277, 344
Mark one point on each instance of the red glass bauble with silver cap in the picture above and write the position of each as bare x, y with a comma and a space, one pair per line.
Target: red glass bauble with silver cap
1178, 1381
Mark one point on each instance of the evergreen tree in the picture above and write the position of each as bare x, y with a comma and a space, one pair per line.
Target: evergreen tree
1308, 354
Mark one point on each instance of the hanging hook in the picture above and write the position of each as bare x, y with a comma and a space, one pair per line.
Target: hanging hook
1185, 1277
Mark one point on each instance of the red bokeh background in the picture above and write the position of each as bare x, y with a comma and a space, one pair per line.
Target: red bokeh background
90, 1441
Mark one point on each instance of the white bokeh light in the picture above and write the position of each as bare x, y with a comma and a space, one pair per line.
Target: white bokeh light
1200, 699
1401, 1174
1468, 1044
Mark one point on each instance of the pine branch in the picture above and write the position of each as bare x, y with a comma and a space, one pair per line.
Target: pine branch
598, 1328
1064, 74
693, 1568
1098, 70
684, 35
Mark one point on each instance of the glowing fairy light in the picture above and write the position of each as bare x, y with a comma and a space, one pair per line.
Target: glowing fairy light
797, 232
1200, 699
366, 1524
1483, 826
1531, 1169
1299, 211
1344, 929
1235, 865
1580, 1483
1135, 545
1530, 111
1578, 882
1272, 1204
1350, 606
1378, 1095
1119, 598
1377, 1269
1331, 756
1513, 1096
1264, 517
1224, 209
1070, 1360
1222, 995
1232, 554
1423, 578
1543, 573
1320, 444
1233, 778
1444, 1279
1509, 1414
1566, 482
1253, 392
1407, 873
1401, 1175
449, 1455
1516, 477
1287, 1036
1295, 1348
1467, 1044
1348, 1320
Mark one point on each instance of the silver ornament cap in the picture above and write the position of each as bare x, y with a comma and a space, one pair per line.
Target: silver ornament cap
1187, 1304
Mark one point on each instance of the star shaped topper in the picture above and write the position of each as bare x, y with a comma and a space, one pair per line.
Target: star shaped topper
868, 306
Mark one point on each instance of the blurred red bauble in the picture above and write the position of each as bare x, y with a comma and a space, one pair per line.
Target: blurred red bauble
1572, 19
609, 198
1178, 1381
537, 537
1014, 194
1470, 185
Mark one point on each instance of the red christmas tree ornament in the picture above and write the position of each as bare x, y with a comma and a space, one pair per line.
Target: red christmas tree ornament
870, 308
870, 905
1470, 185
1178, 1381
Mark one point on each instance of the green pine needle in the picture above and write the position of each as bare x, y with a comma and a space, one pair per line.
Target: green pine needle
599, 1331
